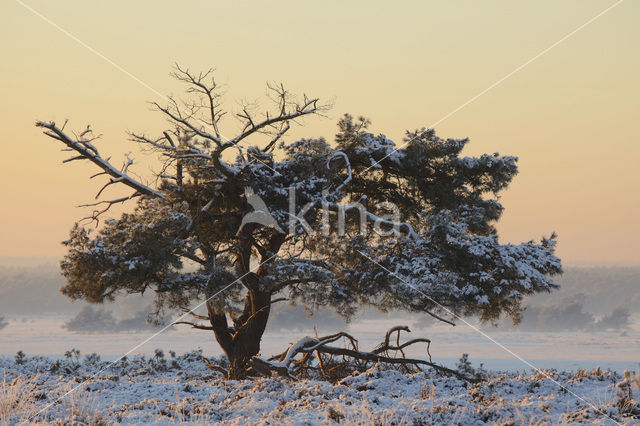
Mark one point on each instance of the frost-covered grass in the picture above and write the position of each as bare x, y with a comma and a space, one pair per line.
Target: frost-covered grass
181, 389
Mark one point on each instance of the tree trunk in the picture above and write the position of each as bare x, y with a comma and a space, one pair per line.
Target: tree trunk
242, 342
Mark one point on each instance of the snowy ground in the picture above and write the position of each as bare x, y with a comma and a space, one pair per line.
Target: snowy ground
169, 389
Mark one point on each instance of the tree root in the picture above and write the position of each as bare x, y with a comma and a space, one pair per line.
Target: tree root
216, 367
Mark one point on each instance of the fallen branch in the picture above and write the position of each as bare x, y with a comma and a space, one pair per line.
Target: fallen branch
282, 363
385, 345
265, 368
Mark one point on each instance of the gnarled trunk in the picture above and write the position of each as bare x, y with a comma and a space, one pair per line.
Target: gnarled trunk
242, 342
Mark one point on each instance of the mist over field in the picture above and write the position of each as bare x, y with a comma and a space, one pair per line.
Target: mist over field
589, 298
594, 316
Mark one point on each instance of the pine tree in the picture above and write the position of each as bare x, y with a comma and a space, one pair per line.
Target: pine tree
408, 226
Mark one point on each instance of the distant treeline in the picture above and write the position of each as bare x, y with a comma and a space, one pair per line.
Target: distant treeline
590, 299
96, 320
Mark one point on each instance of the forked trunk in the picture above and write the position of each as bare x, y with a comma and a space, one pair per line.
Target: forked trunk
242, 342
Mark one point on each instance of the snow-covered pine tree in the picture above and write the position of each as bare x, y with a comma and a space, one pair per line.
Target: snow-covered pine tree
338, 247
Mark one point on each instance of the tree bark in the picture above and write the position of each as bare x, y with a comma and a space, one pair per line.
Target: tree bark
242, 342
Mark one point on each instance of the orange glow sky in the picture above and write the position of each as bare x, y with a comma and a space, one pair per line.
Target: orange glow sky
572, 116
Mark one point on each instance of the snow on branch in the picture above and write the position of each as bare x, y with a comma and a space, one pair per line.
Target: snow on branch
285, 363
87, 151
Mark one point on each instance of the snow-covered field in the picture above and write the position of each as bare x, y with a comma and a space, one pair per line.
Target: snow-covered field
563, 351
171, 389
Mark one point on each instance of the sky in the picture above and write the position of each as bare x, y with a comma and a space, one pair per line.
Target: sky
570, 115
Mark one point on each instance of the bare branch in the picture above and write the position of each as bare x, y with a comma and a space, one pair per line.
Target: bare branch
309, 107
208, 90
192, 257
116, 201
168, 137
386, 347
77, 157
284, 129
194, 325
196, 316
176, 117
108, 203
90, 152
439, 318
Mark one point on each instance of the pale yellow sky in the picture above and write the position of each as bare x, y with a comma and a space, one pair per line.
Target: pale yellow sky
571, 116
